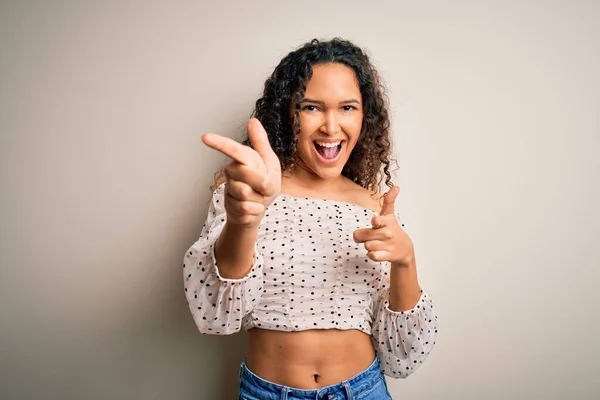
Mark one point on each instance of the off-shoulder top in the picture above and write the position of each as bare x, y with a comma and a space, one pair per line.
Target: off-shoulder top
308, 274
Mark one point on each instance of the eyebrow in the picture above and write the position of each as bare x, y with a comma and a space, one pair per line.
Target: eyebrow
349, 101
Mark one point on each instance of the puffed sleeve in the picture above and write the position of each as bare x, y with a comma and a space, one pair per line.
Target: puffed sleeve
217, 304
402, 339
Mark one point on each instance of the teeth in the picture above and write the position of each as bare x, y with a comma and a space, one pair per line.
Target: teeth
324, 144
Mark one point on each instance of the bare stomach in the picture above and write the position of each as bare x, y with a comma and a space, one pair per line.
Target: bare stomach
308, 359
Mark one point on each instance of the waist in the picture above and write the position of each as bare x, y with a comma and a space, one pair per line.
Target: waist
368, 383
308, 359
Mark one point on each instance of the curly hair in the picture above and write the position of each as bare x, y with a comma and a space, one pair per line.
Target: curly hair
370, 159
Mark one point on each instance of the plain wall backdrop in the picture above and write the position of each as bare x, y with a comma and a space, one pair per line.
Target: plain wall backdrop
104, 185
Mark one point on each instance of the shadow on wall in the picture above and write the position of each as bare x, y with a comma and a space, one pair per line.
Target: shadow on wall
190, 364
233, 350
174, 360
214, 360
217, 366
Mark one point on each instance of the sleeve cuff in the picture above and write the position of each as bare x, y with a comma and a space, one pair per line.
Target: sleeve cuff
415, 310
253, 273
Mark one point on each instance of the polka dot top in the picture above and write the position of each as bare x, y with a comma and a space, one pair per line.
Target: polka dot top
308, 274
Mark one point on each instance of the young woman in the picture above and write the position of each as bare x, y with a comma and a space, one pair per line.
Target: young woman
300, 249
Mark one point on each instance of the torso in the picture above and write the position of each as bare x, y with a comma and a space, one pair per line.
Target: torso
313, 359
309, 359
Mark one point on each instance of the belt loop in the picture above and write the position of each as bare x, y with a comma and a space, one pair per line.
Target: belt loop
349, 393
284, 393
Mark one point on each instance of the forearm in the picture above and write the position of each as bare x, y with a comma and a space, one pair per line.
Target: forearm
404, 286
234, 251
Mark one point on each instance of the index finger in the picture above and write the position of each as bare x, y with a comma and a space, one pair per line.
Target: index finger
362, 235
237, 151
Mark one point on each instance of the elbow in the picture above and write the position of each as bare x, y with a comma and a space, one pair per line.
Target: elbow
414, 361
401, 356
211, 321
217, 328
402, 368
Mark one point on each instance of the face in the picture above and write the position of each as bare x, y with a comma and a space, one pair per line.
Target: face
331, 116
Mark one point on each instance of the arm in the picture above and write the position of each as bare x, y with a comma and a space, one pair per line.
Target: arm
219, 300
223, 269
404, 322
234, 251
405, 291
403, 335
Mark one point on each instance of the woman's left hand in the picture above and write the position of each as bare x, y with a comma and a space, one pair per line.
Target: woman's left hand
386, 240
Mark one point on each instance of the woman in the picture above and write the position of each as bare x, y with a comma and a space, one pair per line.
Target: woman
300, 249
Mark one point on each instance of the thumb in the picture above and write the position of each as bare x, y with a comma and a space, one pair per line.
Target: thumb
260, 141
389, 200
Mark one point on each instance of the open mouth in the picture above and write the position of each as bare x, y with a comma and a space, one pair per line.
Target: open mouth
328, 152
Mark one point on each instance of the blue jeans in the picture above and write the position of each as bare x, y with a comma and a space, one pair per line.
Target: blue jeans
366, 385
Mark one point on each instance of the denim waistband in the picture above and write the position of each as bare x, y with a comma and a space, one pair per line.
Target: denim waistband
353, 386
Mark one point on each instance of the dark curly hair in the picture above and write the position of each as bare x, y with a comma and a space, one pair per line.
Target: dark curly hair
285, 88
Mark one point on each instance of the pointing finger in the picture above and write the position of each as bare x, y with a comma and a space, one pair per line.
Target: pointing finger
237, 151
260, 141
389, 200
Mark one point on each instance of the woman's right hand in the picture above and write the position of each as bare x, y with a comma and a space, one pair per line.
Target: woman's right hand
253, 177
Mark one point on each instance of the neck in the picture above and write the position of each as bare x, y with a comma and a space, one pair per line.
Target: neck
310, 181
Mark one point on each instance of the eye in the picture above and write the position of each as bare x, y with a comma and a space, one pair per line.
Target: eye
309, 107
348, 108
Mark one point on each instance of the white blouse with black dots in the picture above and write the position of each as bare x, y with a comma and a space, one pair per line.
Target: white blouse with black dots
308, 274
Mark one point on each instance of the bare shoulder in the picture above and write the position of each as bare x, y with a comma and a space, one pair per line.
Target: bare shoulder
363, 197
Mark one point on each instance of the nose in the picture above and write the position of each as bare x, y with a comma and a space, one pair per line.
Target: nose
330, 124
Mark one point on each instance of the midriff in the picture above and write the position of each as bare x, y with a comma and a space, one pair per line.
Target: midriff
308, 359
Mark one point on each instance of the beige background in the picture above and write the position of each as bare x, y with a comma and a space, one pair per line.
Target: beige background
104, 185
